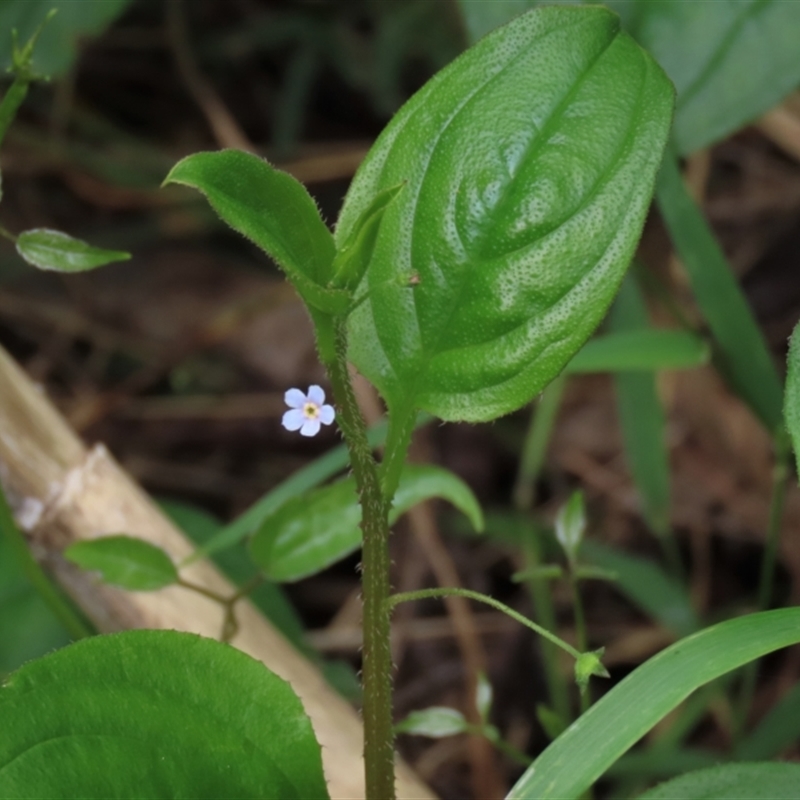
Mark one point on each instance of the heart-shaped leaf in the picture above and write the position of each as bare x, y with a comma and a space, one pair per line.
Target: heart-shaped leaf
311, 532
125, 561
53, 250
154, 714
528, 166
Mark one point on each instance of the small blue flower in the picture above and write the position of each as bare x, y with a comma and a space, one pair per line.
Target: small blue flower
307, 411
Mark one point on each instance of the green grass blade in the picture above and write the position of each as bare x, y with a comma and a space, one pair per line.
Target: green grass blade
743, 354
647, 586
777, 731
570, 765
642, 417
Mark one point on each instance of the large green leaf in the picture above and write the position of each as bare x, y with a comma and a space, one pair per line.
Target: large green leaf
274, 211
60, 252
125, 561
60, 38
154, 714
732, 782
528, 166
730, 60
572, 763
311, 532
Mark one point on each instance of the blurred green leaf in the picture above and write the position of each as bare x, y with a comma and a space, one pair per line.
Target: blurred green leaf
570, 525
777, 731
496, 193
791, 400
732, 782
571, 764
154, 714
436, 723
730, 60
647, 585
311, 532
125, 561
640, 350
53, 250
483, 696
59, 41
743, 356
642, 416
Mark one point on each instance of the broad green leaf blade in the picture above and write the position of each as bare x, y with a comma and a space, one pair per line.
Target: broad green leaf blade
644, 350
529, 164
791, 400
730, 60
646, 585
777, 731
59, 41
744, 356
572, 763
125, 561
436, 722
644, 424
274, 211
732, 782
53, 250
311, 532
154, 714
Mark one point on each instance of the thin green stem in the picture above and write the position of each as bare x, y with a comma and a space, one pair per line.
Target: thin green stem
423, 594
6, 234
493, 735
377, 660
580, 631
54, 600
524, 495
766, 581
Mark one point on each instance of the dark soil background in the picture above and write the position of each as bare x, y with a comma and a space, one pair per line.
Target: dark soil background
178, 359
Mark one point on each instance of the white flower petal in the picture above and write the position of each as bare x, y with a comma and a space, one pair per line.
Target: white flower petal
316, 395
310, 428
294, 398
326, 414
293, 420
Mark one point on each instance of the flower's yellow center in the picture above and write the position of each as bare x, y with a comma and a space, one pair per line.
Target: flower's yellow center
310, 410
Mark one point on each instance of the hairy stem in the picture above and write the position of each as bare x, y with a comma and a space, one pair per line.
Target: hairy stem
377, 660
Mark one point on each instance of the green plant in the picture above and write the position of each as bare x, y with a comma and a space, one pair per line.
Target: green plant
480, 244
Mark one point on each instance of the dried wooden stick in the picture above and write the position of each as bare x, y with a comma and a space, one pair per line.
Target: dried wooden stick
63, 493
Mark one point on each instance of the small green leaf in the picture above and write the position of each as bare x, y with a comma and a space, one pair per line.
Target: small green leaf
529, 164
791, 400
587, 572
313, 531
541, 572
436, 723
53, 250
551, 722
353, 256
154, 714
643, 350
571, 526
125, 561
58, 46
484, 696
732, 782
274, 211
